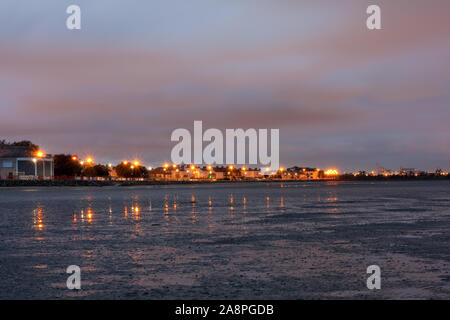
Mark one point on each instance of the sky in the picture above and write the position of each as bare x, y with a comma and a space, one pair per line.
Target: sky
342, 96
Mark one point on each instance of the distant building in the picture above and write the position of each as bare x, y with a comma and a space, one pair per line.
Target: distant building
19, 162
251, 173
407, 171
303, 173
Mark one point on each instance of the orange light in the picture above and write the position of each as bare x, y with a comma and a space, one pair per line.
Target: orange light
40, 154
136, 163
244, 168
192, 167
89, 160
166, 165
231, 167
125, 162
281, 169
174, 166
132, 167
332, 172
74, 158
209, 167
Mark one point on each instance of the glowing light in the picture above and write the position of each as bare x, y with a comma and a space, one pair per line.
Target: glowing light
231, 167
209, 167
89, 215
132, 167
34, 160
136, 163
166, 165
110, 165
40, 154
81, 162
281, 169
74, 158
192, 167
89, 160
332, 172
244, 168
174, 166
125, 162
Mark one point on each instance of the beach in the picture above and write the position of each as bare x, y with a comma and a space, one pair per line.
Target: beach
277, 240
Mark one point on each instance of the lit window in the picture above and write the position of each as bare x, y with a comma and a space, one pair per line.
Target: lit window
7, 164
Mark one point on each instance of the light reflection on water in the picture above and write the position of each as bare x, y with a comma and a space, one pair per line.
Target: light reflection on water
174, 206
206, 206
38, 218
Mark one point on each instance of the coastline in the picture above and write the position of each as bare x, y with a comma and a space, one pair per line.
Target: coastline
117, 183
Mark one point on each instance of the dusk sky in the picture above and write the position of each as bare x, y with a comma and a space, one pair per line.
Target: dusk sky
342, 96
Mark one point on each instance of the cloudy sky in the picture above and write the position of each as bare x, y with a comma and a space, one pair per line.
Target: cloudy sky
341, 95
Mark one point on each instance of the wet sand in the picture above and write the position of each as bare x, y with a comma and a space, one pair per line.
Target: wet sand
228, 241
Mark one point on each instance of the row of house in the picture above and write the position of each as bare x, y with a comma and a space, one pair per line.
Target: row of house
193, 172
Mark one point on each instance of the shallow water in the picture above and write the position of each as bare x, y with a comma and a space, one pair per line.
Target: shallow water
227, 241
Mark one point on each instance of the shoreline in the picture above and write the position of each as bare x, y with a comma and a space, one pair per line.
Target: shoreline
115, 183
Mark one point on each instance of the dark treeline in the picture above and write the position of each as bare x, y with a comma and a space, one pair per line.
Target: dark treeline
23, 143
66, 166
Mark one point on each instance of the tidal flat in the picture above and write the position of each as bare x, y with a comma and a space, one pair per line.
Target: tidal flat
227, 241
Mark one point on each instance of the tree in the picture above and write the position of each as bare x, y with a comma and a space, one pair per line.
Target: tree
129, 171
66, 166
97, 170
24, 143
101, 170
